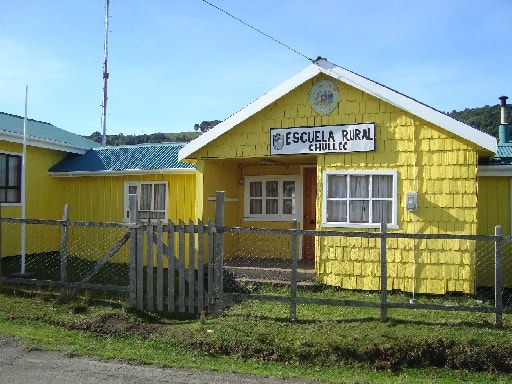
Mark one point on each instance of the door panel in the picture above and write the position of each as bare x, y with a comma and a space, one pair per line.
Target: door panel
309, 212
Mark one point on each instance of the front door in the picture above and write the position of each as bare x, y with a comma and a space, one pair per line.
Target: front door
309, 211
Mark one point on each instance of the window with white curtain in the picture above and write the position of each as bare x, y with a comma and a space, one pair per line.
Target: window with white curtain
152, 199
271, 198
359, 199
10, 178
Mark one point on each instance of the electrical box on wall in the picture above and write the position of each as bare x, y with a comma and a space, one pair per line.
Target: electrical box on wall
411, 201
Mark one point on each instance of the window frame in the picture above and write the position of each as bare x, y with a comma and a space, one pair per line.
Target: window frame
347, 224
138, 185
280, 216
19, 179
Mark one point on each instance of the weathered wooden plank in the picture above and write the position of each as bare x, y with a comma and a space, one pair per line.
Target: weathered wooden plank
117, 246
64, 248
140, 269
383, 273
200, 268
211, 262
191, 266
149, 268
160, 268
171, 259
132, 270
181, 267
219, 255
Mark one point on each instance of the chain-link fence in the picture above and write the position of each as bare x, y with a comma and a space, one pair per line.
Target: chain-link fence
364, 269
379, 269
65, 254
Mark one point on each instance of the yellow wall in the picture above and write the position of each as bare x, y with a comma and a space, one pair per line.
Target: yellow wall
101, 199
440, 166
42, 202
494, 209
95, 198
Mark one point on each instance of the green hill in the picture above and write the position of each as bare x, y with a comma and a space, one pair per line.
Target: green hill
486, 119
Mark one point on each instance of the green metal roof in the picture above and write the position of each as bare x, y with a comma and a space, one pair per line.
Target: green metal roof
124, 159
504, 152
42, 134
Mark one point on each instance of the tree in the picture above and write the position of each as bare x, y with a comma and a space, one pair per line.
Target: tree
206, 125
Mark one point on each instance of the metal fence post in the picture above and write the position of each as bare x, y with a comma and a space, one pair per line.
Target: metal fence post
383, 274
64, 250
219, 253
293, 288
498, 298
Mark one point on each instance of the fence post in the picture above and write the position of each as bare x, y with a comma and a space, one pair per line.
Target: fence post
293, 289
383, 274
64, 250
132, 275
149, 267
211, 267
219, 254
498, 298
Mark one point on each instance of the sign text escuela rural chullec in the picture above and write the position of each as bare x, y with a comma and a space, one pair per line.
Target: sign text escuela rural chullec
324, 139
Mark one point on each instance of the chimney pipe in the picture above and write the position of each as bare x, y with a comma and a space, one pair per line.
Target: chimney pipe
503, 132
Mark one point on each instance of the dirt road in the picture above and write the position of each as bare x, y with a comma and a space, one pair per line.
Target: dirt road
19, 365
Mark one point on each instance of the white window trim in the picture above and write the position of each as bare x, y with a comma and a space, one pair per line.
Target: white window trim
22, 186
126, 197
394, 208
280, 179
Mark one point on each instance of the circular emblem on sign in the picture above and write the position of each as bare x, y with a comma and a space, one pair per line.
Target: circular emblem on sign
324, 97
278, 141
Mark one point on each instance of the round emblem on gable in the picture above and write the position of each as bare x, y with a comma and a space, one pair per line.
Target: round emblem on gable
324, 97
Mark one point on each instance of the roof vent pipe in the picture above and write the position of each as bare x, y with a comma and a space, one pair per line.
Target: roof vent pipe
503, 133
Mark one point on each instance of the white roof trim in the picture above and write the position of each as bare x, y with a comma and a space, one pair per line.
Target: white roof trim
42, 143
494, 170
167, 171
382, 92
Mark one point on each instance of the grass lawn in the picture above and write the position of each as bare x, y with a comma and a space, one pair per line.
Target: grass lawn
326, 343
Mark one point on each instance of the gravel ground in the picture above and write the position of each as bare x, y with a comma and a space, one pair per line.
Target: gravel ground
21, 365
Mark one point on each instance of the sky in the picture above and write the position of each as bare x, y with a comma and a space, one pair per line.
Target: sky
175, 63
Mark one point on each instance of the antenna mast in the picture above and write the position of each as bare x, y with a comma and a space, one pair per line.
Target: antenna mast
105, 79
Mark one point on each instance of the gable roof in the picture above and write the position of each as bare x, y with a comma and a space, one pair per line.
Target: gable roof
128, 159
481, 139
43, 135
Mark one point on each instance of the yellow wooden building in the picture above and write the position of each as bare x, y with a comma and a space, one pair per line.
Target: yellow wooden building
94, 182
45, 145
328, 148
495, 205
337, 151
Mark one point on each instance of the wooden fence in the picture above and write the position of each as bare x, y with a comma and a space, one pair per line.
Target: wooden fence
179, 267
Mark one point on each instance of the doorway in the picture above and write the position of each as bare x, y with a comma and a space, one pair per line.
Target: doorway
309, 211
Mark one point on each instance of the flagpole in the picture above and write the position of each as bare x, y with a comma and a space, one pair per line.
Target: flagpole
23, 166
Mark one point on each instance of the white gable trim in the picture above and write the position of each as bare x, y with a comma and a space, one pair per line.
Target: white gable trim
386, 94
408, 104
42, 143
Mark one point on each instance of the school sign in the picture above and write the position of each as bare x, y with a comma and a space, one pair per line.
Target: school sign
324, 139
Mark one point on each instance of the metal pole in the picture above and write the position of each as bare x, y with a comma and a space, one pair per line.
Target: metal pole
23, 185
105, 79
